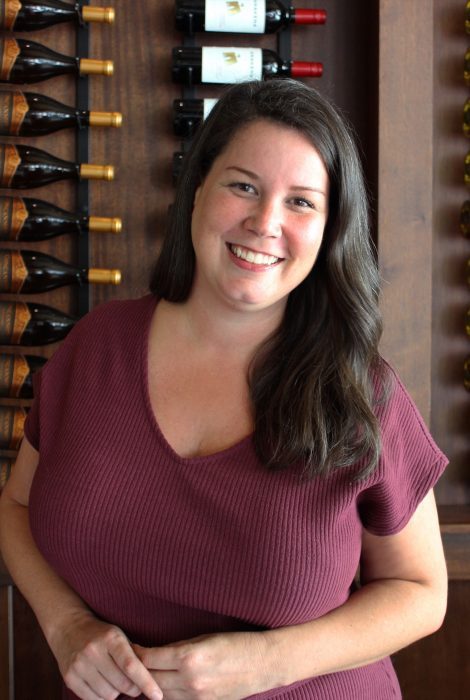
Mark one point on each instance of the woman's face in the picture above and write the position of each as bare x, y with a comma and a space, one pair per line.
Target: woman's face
259, 217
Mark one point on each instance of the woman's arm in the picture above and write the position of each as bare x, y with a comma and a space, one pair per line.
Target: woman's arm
403, 598
95, 658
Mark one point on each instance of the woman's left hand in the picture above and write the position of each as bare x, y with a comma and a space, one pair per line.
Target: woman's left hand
210, 667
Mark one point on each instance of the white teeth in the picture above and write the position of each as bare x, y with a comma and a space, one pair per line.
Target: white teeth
251, 257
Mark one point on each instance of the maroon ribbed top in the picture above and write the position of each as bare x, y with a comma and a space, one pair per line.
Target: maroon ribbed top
169, 547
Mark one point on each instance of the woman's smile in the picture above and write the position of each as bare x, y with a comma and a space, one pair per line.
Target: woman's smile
255, 259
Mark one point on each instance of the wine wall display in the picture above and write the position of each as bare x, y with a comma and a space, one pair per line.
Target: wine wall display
195, 64
29, 159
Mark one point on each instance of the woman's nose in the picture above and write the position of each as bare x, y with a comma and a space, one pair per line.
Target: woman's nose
265, 220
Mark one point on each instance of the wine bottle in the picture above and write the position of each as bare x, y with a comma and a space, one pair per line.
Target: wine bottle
31, 272
16, 375
467, 16
188, 114
467, 322
467, 169
226, 64
466, 374
31, 114
6, 464
24, 61
22, 167
31, 15
27, 219
466, 67
177, 164
32, 324
465, 218
12, 420
466, 118
249, 16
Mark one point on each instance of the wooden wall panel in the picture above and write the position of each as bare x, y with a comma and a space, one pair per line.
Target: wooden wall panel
405, 191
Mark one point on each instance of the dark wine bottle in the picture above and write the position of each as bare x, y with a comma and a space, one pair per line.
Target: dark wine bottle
12, 420
24, 61
177, 164
466, 374
31, 114
255, 17
31, 15
232, 64
467, 169
6, 465
27, 219
22, 167
466, 118
467, 16
466, 67
188, 114
16, 375
32, 324
31, 272
465, 218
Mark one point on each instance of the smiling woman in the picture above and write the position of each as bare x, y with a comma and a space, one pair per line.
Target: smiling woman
258, 219
206, 468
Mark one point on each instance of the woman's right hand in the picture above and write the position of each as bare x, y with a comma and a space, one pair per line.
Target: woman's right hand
97, 661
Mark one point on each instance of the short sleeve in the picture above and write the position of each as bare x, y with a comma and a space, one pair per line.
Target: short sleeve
409, 466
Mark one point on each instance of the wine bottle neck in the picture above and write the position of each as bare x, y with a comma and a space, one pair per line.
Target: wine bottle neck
98, 275
306, 69
301, 16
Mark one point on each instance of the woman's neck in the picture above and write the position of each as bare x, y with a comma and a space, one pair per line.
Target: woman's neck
224, 329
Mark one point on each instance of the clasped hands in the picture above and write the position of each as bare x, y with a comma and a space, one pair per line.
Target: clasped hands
98, 662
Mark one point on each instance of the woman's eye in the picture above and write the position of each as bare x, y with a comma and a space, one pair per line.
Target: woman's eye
303, 203
243, 187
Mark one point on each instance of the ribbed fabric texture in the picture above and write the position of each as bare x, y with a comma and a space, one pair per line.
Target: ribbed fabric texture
169, 548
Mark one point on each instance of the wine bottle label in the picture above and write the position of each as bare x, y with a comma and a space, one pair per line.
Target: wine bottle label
13, 214
208, 104
8, 13
13, 271
11, 427
14, 317
224, 64
245, 16
9, 162
9, 52
5, 470
14, 370
13, 107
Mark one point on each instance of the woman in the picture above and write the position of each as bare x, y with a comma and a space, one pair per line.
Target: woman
206, 468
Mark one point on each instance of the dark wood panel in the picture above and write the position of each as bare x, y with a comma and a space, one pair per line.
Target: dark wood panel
4, 644
36, 672
450, 419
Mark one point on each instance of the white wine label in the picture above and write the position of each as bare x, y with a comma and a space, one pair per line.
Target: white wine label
241, 16
8, 12
231, 64
208, 104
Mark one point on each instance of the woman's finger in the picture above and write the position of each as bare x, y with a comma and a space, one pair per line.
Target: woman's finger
134, 670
